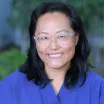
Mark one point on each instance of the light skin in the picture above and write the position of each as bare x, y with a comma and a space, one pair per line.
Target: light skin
55, 67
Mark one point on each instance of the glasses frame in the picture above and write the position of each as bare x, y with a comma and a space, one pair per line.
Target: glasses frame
36, 38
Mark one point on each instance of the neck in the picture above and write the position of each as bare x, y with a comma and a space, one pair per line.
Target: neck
56, 74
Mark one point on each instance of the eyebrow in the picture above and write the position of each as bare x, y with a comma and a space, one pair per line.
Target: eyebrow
43, 33
61, 31
56, 32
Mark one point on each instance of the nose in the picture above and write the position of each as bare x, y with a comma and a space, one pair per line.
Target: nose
54, 44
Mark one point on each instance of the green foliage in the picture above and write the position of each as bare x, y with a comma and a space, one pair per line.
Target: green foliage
88, 10
10, 61
21, 12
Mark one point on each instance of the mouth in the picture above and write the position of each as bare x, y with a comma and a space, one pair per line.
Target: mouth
55, 55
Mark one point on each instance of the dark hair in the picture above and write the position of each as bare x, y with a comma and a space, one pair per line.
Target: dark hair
34, 67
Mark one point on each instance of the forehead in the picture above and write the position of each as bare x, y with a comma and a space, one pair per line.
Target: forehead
52, 16
53, 22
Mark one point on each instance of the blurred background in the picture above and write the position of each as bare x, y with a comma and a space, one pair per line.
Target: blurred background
14, 37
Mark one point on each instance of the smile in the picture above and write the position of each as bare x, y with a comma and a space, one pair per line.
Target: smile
55, 55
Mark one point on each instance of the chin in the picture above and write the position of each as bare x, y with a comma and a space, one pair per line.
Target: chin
56, 66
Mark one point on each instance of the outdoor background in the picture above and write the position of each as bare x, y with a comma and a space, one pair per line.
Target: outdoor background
14, 37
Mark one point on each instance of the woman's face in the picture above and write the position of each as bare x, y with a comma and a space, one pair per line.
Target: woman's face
55, 55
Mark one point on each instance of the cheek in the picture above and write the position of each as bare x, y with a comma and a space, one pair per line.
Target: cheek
69, 52
41, 51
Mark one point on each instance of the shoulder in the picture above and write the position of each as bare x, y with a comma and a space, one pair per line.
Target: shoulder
94, 81
94, 78
7, 86
13, 78
96, 84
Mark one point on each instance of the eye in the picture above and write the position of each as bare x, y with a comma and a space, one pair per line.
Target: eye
62, 36
43, 38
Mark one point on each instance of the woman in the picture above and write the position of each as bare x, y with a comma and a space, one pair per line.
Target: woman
56, 70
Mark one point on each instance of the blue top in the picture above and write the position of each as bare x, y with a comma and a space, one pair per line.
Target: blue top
16, 89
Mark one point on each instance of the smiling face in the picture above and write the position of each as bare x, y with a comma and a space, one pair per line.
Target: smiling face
55, 56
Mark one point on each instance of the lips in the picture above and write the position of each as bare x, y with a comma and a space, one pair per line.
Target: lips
55, 55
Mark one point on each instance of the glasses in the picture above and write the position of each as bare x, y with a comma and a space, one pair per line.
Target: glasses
62, 38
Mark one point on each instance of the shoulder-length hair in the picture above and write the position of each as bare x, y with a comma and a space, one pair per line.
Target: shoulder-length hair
34, 67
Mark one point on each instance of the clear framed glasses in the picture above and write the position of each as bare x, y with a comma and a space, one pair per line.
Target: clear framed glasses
62, 38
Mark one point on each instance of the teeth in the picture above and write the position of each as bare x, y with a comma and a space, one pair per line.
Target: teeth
55, 55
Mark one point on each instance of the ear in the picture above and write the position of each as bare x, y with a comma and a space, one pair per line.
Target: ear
76, 39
